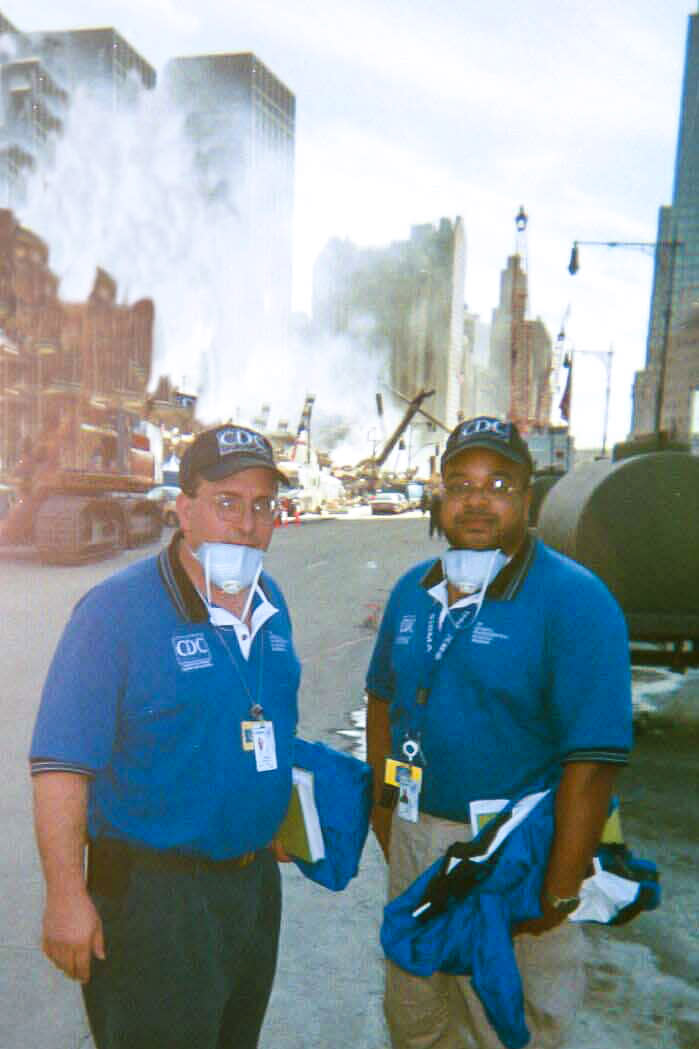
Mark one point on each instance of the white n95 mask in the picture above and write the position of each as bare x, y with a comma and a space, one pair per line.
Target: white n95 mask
231, 567
472, 570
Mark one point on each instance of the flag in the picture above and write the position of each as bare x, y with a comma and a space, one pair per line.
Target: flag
564, 406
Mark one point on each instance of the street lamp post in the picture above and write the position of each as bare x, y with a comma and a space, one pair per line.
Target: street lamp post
673, 245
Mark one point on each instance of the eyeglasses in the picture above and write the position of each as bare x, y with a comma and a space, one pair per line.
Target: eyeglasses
493, 488
231, 508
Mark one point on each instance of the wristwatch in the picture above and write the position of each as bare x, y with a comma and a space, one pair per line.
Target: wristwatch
562, 904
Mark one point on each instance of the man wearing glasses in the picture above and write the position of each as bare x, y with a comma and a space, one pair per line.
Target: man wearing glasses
500, 669
164, 739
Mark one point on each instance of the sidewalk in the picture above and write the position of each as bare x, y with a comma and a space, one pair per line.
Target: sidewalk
329, 984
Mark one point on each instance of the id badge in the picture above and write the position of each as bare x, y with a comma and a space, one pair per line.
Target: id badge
265, 749
246, 739
408, 779
408, 797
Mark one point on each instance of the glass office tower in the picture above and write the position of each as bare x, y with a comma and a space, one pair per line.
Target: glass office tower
666, 390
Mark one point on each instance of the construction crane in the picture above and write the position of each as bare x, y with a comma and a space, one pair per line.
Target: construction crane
304, 426
374, 462
421, 411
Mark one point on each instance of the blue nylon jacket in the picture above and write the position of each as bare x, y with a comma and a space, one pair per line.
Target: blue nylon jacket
467, 927
472, 935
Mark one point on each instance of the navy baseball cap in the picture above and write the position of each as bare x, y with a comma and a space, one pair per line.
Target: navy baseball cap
226, 450
486, 432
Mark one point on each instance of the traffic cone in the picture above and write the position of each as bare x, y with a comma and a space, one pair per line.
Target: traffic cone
297, 516
285, 518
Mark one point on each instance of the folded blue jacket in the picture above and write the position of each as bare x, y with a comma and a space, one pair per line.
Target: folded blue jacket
471, 933
456, 917
343, 792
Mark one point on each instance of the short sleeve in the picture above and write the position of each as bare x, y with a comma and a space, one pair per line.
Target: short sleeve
590, 675
380, 679
76, 723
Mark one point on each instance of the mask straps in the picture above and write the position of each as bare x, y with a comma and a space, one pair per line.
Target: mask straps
486, 581
207, 578
251, 593
207, 574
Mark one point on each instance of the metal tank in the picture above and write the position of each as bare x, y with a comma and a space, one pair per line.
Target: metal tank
541, 484
635, 523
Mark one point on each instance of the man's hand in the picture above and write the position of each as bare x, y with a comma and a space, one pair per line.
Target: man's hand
72, 930
549, 919
280, 853
582, 802
72, 934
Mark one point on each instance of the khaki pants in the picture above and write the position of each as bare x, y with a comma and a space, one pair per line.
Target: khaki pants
443, 1011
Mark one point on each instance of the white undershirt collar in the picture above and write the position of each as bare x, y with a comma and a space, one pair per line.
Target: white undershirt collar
440, 594
263, 610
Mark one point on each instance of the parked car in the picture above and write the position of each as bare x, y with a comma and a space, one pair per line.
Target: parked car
388, 503
165, 495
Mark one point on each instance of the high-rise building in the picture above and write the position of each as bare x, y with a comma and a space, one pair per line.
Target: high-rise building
99, 57
406, 302
32, 106
520, 354
666, 390
242, 121
38, 73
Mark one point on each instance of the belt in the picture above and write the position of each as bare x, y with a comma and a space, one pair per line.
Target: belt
111, 860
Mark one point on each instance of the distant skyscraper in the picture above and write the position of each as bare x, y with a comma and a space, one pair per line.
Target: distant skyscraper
665, 391
100, 57
520, 354
38, 73
32, 105
404, 302
242, 119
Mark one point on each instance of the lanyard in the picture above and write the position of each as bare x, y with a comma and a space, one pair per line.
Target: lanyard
435, 649
434, 655
256, 711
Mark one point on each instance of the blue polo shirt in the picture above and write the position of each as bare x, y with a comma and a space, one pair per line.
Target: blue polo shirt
540, 677
147, 697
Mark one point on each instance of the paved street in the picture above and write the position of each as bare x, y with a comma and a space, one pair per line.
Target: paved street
327, 993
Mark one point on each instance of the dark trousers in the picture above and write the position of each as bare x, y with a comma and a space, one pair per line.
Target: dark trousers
191, 955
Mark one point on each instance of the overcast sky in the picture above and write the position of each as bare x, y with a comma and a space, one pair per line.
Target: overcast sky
408, 110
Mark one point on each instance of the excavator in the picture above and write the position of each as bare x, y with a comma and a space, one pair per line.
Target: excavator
81, 492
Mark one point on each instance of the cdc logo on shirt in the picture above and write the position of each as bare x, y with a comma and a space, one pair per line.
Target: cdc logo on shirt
192, 651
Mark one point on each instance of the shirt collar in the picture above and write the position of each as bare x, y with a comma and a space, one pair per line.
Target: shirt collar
506, 584
440, 594
263, 609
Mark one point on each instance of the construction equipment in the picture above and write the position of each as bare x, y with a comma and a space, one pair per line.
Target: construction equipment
72, 390
375, 462
73, 514
312, 487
